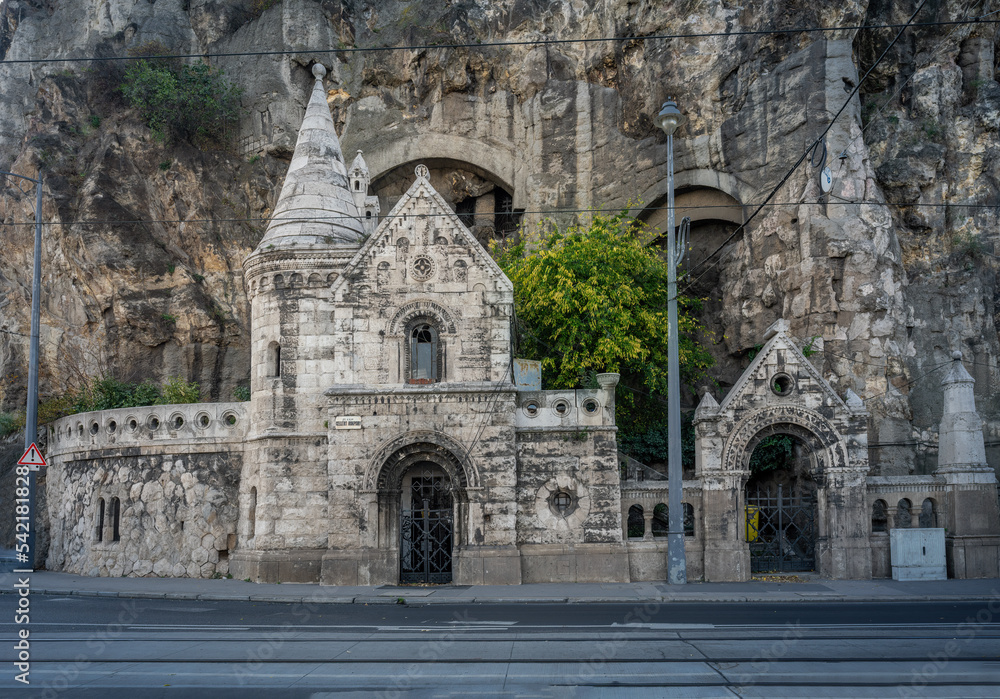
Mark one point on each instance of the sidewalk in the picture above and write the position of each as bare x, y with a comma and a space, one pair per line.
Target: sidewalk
807, 588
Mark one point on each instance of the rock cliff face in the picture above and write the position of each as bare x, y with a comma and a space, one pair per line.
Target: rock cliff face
890, 271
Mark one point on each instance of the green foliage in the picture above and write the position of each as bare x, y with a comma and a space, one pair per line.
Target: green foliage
594, 299
165, 165
808, 350
166, 317
195, 102
931, 128
241, 393
108, 392
95, 120
177, 390
643, 433
774, 452
10, 423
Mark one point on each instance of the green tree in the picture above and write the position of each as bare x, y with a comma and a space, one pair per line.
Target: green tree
592, 299
194, 102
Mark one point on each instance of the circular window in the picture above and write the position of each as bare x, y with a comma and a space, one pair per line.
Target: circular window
79, 430
204, 420
176, 422
591, 406
422, 268
229, 419
562, 503
561, 407
153, 422
132, 424
782, 384
112, 426
531, 408
94, 427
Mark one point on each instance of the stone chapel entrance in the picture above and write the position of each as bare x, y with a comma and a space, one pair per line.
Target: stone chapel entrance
426, 525
781, 506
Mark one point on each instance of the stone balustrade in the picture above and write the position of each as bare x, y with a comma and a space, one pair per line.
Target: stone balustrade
189, 424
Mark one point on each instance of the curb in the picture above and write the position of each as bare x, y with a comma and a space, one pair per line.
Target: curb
422, 601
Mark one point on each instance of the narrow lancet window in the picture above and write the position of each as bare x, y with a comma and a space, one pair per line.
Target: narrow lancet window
423, 354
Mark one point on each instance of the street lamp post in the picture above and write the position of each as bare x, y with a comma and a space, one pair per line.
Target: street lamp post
31, 417
669, 119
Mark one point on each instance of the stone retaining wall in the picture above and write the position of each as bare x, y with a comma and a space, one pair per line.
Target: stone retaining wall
172, 471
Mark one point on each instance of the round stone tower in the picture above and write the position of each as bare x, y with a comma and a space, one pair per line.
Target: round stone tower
314, 231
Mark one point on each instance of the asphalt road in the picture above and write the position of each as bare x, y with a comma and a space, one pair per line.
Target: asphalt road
101, 647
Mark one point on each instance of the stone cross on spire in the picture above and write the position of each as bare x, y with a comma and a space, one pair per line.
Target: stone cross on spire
315, 208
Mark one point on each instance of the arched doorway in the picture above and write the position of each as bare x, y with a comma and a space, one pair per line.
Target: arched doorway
426, 525
781, 503
420, 489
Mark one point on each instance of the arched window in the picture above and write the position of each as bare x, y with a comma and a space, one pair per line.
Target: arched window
99, 533
903, 514
661, 520
252, 513
423, 354
357, 185
636, 522
116, 511
274, 359
928, 514
880, 516
688, 518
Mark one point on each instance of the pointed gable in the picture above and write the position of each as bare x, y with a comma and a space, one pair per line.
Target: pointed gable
781, 372
316, 207
423, 220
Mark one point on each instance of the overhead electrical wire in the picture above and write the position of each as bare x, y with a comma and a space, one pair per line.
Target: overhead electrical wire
504, 44
546, 212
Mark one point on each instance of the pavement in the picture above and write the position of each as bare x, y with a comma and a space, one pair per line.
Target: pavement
800, 587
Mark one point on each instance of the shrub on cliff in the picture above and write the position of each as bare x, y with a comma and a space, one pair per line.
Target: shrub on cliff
192, 102
594, 298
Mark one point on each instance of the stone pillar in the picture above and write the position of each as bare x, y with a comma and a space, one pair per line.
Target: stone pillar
843, 547
971, 518
727, 554
647, 532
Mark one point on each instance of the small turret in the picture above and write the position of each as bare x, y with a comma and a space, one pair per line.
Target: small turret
360, 179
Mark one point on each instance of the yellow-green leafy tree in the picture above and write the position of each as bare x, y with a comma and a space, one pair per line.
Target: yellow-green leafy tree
592, 299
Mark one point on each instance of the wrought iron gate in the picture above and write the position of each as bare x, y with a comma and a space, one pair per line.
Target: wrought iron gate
425, 546
781, 530
425, 531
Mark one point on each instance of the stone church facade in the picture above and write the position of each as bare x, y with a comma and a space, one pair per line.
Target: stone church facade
385, 441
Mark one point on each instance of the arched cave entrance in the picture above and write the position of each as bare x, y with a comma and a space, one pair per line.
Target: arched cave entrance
482, 200
781, 500
715, 216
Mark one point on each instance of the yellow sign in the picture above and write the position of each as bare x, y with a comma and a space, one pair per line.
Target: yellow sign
753, 522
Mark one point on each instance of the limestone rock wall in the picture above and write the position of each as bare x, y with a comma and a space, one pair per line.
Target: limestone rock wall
175, 471
891, 285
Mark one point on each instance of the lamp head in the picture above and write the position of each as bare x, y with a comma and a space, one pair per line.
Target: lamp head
670, 118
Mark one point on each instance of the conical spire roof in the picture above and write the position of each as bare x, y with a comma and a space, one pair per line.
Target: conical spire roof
316, 208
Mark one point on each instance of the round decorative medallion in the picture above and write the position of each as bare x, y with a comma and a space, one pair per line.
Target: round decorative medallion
422, 172
423, 268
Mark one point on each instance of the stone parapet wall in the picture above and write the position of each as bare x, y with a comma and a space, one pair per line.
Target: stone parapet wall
186, 427
172, 474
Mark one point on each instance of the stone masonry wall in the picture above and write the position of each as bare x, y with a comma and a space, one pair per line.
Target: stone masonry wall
175, 470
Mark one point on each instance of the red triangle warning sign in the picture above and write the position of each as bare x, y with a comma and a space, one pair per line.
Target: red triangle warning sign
32, 457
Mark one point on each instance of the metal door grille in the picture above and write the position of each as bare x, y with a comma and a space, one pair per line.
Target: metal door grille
425, 546
781, 531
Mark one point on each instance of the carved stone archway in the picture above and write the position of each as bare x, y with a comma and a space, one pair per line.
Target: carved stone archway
781, 392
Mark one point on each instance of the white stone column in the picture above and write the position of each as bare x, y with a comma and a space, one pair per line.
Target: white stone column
971, 517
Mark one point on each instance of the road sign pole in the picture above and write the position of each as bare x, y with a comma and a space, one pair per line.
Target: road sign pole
31, 419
